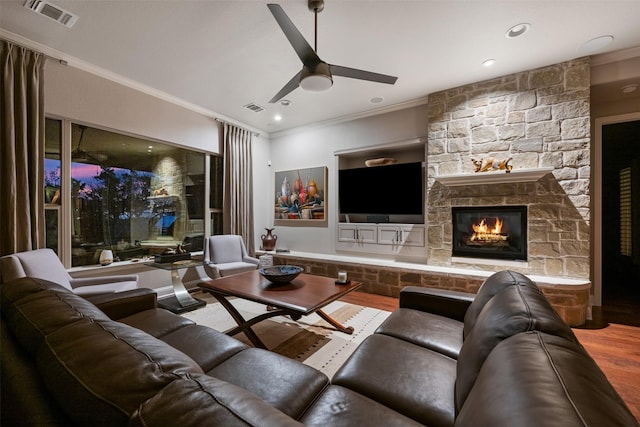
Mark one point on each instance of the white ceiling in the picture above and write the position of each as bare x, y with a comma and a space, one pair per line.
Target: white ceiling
218, 56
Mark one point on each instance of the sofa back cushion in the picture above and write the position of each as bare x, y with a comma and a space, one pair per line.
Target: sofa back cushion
513, 310
208, 401
34, 308
101, 372
543, 380
491, 286
16, 289
98, 370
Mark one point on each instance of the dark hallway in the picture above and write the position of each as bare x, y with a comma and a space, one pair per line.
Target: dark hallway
621, 223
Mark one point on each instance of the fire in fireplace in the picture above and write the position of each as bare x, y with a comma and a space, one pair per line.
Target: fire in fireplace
498, 232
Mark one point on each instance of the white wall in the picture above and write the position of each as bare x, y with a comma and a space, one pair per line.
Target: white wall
313, 147
84, 97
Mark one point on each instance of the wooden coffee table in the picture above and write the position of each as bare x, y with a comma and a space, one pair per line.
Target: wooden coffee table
305, 295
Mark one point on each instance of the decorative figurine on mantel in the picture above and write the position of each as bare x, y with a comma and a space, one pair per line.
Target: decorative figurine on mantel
491, 164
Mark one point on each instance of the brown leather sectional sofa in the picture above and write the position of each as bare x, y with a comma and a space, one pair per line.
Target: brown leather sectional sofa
501, 358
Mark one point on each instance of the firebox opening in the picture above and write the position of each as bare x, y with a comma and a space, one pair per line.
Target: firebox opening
495, 232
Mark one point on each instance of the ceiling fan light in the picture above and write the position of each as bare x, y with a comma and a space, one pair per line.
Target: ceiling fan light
316, 82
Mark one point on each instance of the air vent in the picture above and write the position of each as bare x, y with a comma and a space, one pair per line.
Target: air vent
51, 11
254, 107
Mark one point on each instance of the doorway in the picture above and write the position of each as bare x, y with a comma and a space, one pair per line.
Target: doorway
620, 222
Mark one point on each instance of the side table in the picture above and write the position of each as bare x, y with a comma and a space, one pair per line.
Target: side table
181, 301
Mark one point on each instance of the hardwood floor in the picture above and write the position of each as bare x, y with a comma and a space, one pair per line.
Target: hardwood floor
614, 347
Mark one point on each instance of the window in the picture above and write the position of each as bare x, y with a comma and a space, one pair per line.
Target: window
216, 165
134, 196
52, 182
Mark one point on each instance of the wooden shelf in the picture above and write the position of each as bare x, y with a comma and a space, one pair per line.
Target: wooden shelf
497, 177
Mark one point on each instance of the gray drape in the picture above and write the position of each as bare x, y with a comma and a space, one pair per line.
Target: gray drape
22, 121
238, 187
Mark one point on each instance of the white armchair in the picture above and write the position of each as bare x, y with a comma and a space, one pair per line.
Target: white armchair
225, 255
45, 264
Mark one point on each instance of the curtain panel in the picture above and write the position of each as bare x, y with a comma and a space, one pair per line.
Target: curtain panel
22, 134
238, 184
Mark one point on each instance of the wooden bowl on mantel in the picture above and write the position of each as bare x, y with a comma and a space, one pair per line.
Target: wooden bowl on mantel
381, 161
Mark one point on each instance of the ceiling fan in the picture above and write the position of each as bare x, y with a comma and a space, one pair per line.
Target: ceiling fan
316, 75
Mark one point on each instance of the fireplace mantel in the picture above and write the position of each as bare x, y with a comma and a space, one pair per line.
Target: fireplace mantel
497, 177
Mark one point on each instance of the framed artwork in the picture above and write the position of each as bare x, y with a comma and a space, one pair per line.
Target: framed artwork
300, 197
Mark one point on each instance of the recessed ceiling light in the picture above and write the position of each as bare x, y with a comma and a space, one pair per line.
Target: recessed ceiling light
488, 62
630, 88
595, 45
277, 117
376, 100
518, 30
285, 102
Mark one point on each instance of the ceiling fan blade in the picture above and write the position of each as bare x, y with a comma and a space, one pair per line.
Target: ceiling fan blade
353, 73
306, 54
289, 87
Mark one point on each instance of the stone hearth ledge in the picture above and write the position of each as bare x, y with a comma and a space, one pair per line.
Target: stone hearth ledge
569, 297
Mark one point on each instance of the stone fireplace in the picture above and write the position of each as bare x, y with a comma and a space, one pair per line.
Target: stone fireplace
491, 232
539, 118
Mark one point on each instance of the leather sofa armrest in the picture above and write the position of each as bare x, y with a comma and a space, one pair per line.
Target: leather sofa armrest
117, 305
451, 304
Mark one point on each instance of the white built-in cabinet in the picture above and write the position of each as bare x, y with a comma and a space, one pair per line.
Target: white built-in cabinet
390, 239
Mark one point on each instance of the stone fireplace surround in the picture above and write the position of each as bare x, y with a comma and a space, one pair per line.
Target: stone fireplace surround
541, 119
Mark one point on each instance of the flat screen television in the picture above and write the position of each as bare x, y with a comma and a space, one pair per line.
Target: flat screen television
382, 190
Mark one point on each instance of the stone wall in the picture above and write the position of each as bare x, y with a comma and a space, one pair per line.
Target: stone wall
539, 118
169, 175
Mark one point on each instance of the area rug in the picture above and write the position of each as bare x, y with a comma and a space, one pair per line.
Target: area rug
310, 340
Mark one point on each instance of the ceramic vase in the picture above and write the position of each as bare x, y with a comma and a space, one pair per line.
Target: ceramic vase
269, 240
106, 257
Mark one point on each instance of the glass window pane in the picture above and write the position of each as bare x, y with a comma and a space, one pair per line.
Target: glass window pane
52, 224
134, 196
216, 178
52, 150
52, 181
216, 223
216, 181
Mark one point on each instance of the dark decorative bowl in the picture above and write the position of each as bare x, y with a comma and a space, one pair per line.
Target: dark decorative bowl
280, 274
